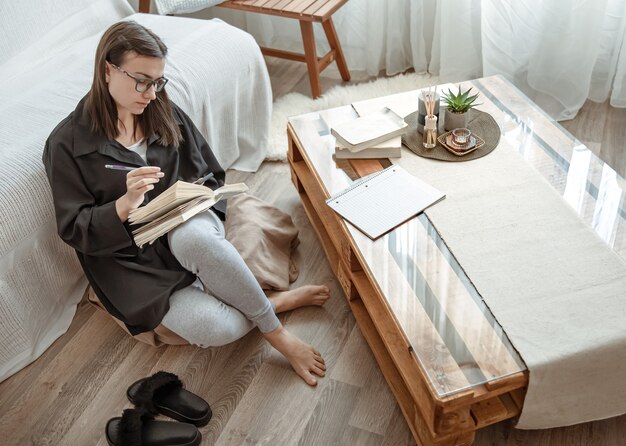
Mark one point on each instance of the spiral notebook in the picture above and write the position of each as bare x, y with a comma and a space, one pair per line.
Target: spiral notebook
380, 202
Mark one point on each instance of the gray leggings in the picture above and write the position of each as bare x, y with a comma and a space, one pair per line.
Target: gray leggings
227, 301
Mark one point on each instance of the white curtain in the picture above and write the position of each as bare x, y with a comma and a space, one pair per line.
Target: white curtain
559, 52
389, 35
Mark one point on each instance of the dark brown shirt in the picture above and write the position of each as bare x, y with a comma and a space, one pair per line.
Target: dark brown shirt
134, 284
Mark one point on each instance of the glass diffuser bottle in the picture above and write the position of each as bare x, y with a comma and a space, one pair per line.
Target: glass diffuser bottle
429, 139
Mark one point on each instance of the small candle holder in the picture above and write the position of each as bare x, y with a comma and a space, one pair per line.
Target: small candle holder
429, 139
461, 136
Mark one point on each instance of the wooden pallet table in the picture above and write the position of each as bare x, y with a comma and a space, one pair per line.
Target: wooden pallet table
447, 361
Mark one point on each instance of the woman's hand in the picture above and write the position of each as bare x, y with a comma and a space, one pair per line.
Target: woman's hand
138, 182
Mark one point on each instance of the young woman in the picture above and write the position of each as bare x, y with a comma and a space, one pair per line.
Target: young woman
192, 281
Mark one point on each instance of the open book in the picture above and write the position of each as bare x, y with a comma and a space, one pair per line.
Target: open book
177, 204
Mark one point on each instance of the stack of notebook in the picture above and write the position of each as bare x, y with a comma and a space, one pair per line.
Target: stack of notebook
376, 135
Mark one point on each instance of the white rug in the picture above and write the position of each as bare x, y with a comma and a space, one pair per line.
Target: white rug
296, 103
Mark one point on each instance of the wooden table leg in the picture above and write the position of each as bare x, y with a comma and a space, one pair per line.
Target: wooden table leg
333, 41
310, 55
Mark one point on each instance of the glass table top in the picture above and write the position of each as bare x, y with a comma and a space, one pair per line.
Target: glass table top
451, 331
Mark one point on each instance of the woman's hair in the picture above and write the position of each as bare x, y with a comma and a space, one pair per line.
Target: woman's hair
117, 41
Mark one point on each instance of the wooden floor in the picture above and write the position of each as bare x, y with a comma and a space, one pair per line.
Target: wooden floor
67, 395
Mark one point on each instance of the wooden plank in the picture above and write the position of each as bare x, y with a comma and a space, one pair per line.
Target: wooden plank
453, 421
519, 379
309, 10
324, 9
314, 7
280, 6
327, 59
289, 55
324, 213
298, 6
322, 234
365, 167
266, 9
348, 256
489, 411
481, 393
518, 396
294, 150
494, 410
296, 182
511, 407
343, 275
270, 4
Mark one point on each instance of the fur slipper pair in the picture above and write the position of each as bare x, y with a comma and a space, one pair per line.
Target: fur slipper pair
160, 393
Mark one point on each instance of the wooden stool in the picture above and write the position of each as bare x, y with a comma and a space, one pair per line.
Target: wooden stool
307, 12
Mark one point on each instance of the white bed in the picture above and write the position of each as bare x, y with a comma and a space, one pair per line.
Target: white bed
217, 75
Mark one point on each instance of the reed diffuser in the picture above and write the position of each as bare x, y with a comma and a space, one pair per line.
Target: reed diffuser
430, 125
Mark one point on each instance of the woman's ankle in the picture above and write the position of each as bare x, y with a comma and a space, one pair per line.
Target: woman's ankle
274, 335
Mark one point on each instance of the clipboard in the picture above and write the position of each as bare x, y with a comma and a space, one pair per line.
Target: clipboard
380, 202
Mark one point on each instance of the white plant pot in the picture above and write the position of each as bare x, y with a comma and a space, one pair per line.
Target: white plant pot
456, 120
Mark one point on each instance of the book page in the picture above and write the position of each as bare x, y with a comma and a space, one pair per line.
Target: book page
395, 142
149, 232
177, 204
228, 190
175, 195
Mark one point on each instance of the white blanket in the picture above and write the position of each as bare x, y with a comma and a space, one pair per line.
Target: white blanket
183, 6
555, 287
217, 75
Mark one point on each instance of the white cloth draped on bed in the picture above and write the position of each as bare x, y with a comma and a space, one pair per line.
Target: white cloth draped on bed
183, 6
217, 75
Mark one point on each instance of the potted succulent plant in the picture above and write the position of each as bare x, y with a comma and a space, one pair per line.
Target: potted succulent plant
458, 108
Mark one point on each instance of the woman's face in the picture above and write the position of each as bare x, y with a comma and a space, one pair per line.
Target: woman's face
122, 85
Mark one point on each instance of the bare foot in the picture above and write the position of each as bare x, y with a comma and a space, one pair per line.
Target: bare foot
304, 359
300, 297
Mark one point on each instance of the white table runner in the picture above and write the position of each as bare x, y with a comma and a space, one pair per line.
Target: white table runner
557, 290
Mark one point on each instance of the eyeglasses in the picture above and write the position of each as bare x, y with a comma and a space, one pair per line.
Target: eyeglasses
143, 84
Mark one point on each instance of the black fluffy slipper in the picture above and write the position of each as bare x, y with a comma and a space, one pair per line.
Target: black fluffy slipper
137, 427
163, 393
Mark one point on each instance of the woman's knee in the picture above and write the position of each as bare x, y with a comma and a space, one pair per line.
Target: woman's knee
203, 320
225, 335
199, 232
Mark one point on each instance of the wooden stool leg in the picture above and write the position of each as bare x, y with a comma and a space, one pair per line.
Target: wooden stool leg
310, 55
144, 6
333, 41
